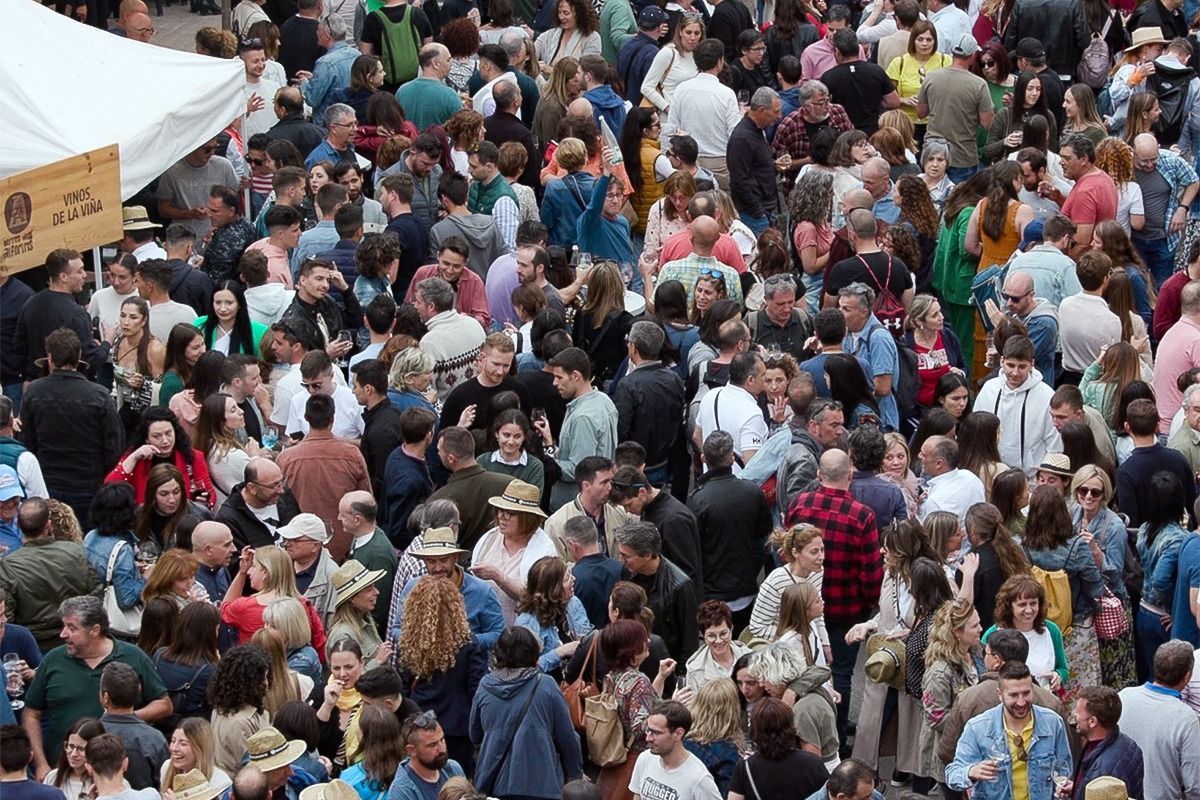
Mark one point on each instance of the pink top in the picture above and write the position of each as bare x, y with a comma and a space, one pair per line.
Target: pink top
279, 269
809, 235
680, 246
470, 293
1178, 352
1094, 199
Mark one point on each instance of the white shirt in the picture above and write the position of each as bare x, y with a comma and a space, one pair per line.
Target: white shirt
954, 491
29, 473
734, 410
1129, 201
265, 118
484, 103
150, 249
165, 316
708, 111
347, 414
1084, 326
106, 304
950, 23
691, 781
288, 387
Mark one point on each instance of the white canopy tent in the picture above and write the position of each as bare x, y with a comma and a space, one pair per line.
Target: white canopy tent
67, 88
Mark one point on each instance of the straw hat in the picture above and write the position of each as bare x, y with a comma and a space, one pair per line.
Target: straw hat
1145, 36
885, 661
334, 790
268, 749
437, 542
520, 497
1056, 464
135, 218
194, 786
351, 578
1106, 788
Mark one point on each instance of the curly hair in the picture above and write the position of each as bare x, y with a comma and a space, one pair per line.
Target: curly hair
785, 362
153, 414
773, 729
585, 16
1021, 586
716, 714
64, 525
916, 205
461, 37
544, 595
944, 644
1116, 158
433, 627
216, 42
240, 680
375, 253
812, 199
464, 128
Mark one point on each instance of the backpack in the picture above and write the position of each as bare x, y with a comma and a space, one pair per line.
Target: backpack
1170, 85
909, 384
1057, 586
1096, 60
988, 285
399, 46
888, 309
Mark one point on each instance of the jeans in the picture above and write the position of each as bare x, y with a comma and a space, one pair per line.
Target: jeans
844, 657
13, 392
756, 224
960, 174
1157, 257
1149, 635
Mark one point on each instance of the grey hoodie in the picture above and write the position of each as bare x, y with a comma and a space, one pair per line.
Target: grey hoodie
267, 303
481, 234
814, 713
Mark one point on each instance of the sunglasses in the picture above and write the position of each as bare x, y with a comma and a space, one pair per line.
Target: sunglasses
1014, 298
709, 272
1087, 491
988, 63
258, 162
425, 720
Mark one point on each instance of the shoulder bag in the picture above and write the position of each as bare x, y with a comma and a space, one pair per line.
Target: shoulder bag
606, 745
126, 622
645, 102
578, 690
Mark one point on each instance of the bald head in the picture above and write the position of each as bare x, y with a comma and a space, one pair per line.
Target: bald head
212, 544
705, 232
1018, 283
130, 7
857, 198
834, 470
580, 108
357, 512
1145, 145
875, 168
1020, 286
139, 27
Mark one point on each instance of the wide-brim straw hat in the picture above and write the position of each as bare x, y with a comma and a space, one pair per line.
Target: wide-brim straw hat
1144, 36
1106, 788
135, 218
437, 542
885, 661
520, 497
193, 785
334, 790
268, 749
351, 578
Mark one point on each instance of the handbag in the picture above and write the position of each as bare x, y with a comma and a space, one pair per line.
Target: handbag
121, 621
1111, 621
606, 744
579, 689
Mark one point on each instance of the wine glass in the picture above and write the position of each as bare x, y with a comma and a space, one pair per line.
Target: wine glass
999, 755
14, 683
1061, 774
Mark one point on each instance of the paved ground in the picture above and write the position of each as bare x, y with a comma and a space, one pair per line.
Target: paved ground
177, 27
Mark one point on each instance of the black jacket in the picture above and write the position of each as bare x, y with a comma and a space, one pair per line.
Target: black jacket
673, 599
752, 179
299, 131
680, 534
502, 127
246, 528
190, 286
1153, 14
42, 315
336, 318
1116, 755
734, 521
650, 405
381, 435
14, 294
71, 425
658, 651
729, 20
1060, 25
633, 62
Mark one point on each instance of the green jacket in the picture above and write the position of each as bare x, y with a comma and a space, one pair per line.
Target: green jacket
953, 266
39, 576
618, 24
257, 332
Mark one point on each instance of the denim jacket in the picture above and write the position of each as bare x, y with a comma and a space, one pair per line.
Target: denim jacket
1075, 558
127, 578
1049, 744
1112, 537
577, 622
1160, 561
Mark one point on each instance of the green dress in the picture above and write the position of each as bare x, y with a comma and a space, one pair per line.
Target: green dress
171, 385
953, 270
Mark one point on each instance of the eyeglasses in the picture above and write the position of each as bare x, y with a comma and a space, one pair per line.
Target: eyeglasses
252, 44
1088, 491
74, 748
270, 487
759, 49
720, 636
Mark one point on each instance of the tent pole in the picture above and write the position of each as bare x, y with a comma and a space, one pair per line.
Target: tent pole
246, 205
99, 264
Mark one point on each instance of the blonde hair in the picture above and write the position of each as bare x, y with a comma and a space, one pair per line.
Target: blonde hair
433, 627
717, 714
786, 541
897, 120
64, 525
282, 686
281, 575
355, 619
793, 615
458, 787
409, 361
200, 736
606, 293
571, 154
1086, 473
287, 615
944, 645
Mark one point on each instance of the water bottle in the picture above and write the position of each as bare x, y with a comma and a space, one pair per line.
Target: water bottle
270, 437
610, 139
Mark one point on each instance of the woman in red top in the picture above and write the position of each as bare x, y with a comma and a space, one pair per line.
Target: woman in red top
937, 348
159, 439
269, 572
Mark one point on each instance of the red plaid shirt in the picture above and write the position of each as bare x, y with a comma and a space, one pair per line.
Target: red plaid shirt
853, 563
791, 136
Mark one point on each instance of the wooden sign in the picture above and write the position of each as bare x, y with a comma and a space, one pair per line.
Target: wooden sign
73, 203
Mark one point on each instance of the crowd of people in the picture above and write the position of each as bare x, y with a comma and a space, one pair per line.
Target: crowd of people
612, 399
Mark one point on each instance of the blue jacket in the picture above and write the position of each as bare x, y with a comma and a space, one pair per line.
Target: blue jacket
406, 484
531, 757
483, 610
633, 62
1116, 755
449, 694
563, 203
606, 239
1160, 561
403, 787
577, 622
1075, 558
332, 72
609, 106
127, 578
1048, 744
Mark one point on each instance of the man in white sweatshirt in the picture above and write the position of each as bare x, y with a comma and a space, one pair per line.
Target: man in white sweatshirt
1021, 400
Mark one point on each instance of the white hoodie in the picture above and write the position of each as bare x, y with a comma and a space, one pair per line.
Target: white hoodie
267, 303
1028, 404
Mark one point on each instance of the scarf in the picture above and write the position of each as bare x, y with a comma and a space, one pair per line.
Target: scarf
351, 701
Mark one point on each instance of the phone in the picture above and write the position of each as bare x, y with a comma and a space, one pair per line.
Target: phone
537, 413
550, 148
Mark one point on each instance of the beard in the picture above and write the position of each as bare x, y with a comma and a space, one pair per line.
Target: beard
437, 763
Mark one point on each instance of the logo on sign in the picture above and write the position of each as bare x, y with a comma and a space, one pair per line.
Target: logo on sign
18, 212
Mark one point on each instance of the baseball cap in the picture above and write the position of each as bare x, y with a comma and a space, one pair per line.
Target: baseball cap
964, 45
1032, 234
10, 484
1030, 48
652, 17
305, 526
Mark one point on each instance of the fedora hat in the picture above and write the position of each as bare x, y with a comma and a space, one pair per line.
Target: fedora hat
334, 790
885, 661
1106, 788
268, 750
520, 497
437, 542
1056, 464
135, 218
1145, 36
351, 578
194, 786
